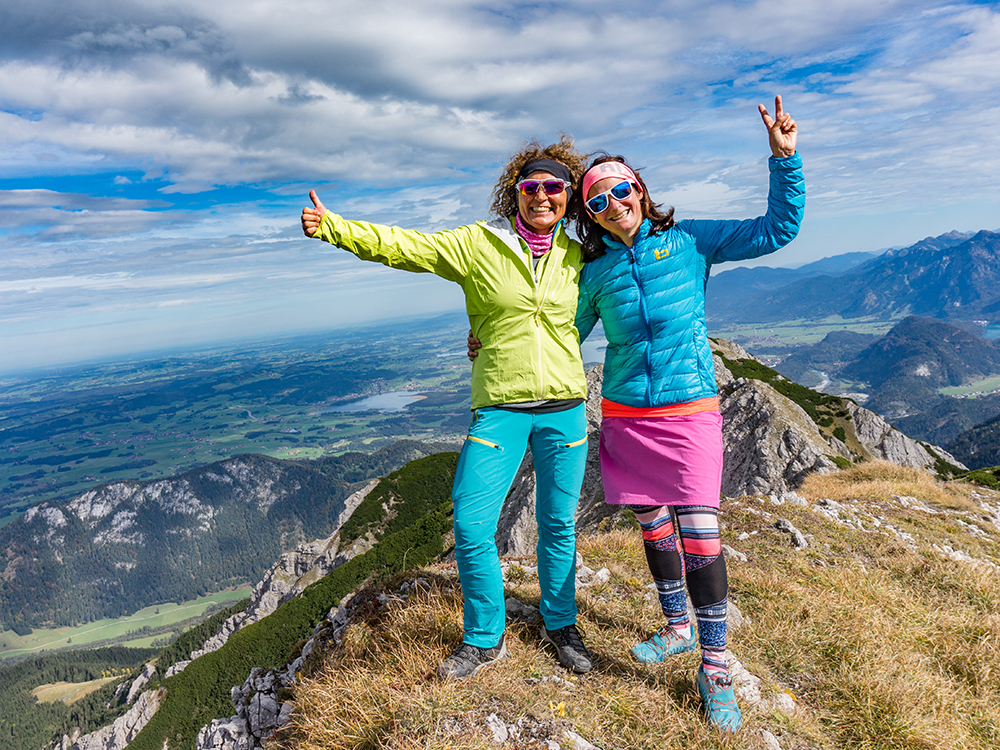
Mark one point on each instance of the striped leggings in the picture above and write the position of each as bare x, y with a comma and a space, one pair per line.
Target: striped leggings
691, 553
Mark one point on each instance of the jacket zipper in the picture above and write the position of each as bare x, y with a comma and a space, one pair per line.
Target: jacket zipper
547, 263
634, 265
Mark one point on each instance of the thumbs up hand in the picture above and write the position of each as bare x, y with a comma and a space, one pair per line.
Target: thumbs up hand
311, 217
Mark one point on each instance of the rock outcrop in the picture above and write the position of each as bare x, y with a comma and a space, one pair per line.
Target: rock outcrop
884, 441
118, 735
259, 712
771, 444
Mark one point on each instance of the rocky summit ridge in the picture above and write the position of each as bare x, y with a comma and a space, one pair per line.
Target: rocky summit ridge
772, 443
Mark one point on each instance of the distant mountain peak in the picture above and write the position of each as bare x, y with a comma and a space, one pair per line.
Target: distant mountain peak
954, 276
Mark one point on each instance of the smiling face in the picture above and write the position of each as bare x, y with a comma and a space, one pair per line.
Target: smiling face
622, 218
541, 212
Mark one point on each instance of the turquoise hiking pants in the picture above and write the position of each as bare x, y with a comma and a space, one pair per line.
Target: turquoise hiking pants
489, 460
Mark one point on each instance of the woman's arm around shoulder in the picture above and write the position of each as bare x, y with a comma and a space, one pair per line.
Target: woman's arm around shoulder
586, 309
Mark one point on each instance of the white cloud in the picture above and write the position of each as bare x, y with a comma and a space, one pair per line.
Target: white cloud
400, 112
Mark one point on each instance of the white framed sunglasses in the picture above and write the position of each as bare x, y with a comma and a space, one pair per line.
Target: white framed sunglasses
600, 202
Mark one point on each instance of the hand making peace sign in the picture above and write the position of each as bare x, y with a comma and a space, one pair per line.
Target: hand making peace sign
781, 129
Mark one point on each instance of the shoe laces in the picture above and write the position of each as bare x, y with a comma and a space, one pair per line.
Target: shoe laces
718, 683
469, 653
570, 636
669, 635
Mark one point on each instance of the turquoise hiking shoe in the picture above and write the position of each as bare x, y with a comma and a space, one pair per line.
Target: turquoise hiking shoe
719, 701
663, 643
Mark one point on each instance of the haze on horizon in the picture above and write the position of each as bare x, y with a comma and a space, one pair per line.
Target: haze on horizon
156, 154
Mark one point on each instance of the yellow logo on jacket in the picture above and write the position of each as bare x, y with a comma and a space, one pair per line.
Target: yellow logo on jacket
660, 253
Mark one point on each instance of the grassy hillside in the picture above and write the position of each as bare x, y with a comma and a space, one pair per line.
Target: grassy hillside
882, 634
202, 691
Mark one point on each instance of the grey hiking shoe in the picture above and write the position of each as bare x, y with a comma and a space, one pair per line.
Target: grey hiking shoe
570, 650
467, 660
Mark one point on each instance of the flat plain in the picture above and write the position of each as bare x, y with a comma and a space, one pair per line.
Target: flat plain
64, 431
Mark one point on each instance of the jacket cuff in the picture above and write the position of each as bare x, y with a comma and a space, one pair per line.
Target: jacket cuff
786, 162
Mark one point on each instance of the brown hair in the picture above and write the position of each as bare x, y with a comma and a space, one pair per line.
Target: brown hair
504, 193
590, 232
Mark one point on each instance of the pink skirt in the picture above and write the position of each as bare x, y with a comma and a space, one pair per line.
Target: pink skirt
662, 460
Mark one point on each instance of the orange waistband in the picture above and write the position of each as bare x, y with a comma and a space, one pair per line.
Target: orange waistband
612, 409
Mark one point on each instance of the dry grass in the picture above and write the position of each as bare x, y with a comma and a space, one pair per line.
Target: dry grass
881, 480
885, 645
890, 644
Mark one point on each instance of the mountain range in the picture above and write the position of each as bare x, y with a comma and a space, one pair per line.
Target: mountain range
951, 277
901, 375
125, 545
746, 281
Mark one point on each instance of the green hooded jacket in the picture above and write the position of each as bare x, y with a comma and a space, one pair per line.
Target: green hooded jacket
531, 348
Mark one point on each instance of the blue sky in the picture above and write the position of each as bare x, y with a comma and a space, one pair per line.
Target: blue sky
155, 155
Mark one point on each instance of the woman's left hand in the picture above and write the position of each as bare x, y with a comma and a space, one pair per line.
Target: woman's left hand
474, 345
782, 131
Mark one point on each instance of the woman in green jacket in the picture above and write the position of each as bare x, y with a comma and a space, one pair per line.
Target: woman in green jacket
520, 274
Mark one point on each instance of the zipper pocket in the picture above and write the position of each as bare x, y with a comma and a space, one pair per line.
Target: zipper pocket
484, 442
575, 443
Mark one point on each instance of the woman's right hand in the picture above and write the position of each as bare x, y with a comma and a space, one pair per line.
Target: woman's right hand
311, 217
474, 345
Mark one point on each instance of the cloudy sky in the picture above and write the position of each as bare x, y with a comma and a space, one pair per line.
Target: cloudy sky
156, 154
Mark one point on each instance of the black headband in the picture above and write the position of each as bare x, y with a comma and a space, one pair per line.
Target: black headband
546, 165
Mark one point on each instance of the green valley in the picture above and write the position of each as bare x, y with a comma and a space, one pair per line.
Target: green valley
150, 626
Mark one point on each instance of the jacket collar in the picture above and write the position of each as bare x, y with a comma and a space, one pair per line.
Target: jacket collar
641, 235
504, 229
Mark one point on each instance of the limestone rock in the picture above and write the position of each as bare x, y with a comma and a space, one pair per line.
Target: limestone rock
224, 734
733, 554
176, 668
497, 728
771, 444
884, 441
786, 526
769, 740
119, 734
141, 681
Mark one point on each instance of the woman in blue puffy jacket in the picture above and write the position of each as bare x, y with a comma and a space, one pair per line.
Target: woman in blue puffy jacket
661, 434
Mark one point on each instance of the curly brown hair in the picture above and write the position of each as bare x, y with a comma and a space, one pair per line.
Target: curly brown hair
590, 232
564, 152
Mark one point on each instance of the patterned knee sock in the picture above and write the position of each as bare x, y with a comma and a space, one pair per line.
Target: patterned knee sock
712, 636
665, 564
707, 582
673, 602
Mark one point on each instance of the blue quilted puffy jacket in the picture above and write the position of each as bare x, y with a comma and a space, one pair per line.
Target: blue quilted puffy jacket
651, 297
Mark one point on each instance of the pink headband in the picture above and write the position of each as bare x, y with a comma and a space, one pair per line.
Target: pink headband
607, 169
